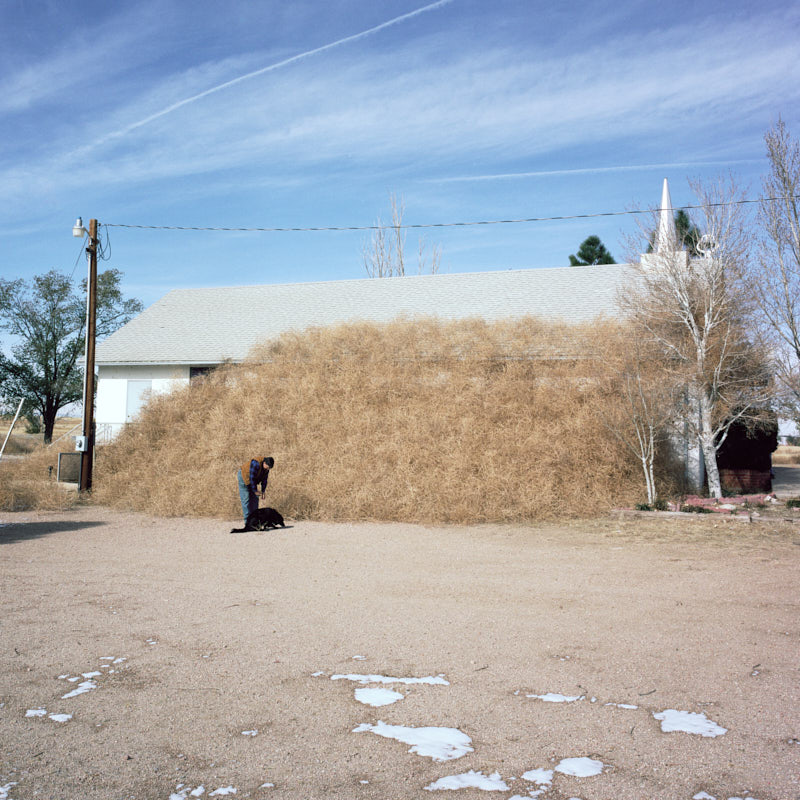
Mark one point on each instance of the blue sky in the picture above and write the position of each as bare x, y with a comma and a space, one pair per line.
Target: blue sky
302, 114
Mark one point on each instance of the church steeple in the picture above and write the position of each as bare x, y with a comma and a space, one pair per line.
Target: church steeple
666, 235
667, 251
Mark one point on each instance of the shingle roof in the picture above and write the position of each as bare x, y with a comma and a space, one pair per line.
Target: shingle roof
207, 326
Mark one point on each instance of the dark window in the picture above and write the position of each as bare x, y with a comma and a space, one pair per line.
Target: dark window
196, 373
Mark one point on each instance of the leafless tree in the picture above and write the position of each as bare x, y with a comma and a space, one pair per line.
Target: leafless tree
642, 420
775, 277
384, 255
698, 313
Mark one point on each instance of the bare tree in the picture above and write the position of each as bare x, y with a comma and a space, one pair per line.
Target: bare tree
776, 278
697, 311
384, 255
642, 420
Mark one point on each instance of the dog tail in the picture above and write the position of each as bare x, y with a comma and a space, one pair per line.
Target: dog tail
238, 530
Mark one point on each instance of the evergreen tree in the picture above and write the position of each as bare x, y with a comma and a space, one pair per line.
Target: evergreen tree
591, 251
687, 232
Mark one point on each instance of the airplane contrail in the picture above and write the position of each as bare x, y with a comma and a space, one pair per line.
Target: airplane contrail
299, 57
588, 170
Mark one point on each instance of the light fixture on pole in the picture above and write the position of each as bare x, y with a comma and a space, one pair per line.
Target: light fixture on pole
86, 441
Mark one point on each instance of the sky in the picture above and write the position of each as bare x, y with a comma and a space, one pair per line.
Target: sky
250, 114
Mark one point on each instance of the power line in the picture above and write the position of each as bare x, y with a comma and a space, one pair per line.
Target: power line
438, 224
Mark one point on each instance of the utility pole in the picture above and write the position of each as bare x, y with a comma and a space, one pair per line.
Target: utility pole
87, 455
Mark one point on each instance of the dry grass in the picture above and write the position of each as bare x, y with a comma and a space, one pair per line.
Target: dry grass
786, 454
417, 420
28, 483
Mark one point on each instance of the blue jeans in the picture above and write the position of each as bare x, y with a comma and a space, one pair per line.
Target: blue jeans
248, 497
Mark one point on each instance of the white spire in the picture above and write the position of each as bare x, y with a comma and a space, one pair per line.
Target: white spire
666, 236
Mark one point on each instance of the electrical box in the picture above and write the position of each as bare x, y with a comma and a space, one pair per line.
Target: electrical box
81, 444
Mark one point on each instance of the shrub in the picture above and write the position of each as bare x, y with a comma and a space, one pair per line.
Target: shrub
690, 509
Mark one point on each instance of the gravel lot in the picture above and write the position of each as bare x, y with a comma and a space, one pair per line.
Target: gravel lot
222, 634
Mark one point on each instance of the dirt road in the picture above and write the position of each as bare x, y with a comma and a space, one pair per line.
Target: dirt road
149, 658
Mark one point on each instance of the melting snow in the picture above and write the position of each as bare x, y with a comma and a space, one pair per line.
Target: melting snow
539, 776
5, 789
250, 733
431, 680
470, 780
440, 744
223, 790
377, 697
60, 717
621, 705
182, 792
552, 697
689, 722
580, 767
35, 712
86, 686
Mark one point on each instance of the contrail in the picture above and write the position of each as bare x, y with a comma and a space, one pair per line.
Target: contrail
271, 67
589, 170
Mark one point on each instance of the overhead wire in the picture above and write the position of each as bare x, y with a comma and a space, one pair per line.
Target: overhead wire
410, 226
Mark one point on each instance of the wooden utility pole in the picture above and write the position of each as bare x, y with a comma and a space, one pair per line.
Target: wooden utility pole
87, 456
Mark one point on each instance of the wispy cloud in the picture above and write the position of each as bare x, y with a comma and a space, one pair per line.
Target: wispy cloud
431, 104
271, 68
500, 176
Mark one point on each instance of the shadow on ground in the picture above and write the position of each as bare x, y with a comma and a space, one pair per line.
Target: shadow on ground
786, 482
22, 531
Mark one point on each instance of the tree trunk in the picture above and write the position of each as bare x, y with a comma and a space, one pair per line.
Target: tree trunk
49, 421
708, 446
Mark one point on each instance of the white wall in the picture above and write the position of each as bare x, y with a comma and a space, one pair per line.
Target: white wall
112, 391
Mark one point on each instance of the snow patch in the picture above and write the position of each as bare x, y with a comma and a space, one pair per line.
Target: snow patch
552, 697
223, 790
35, 712
377, 697
5, 789
470, 780
250, 733
85, 686
431, 680
440, 744
581, 767
60, 717
621, 705
538, 776
688, 722
183, 792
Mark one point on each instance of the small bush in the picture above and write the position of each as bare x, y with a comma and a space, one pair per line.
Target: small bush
690, 509
661, 505
793, 503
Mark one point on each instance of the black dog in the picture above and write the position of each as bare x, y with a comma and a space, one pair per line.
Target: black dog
261, 520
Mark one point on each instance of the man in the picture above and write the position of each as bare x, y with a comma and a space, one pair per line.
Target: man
253, 473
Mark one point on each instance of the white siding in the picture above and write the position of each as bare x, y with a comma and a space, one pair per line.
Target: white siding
113, 396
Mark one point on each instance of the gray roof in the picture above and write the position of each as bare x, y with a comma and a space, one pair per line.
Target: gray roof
207, 326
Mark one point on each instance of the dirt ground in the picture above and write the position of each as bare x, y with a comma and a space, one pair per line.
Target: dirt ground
229, 643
